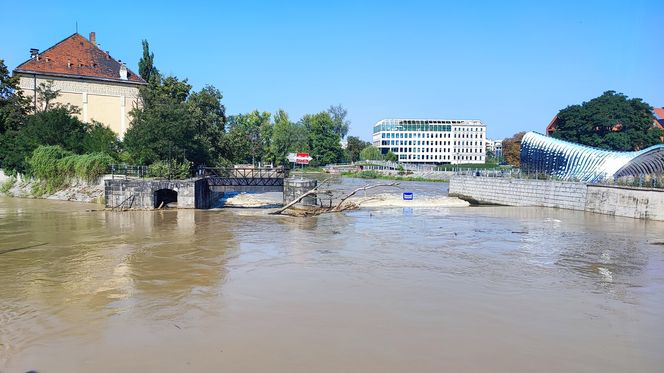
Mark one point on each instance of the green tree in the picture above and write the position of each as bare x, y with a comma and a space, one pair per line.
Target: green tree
287, 137
14, 107
163, 128
45, 95
512, 149
391, 157
101, 139
209, 116
354, 147
146, 68
341, 124
610, 121
282, 136
324, 141
371, 153
247, 137
54, 127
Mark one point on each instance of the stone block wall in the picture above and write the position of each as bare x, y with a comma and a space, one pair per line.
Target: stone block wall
519, 192
140, 194
640, 203
293, 188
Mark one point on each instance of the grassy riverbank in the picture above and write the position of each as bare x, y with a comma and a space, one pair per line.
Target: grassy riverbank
378, 175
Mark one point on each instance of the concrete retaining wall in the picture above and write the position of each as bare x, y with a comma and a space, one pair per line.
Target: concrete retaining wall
140, 194
637, 203
519, 192
293, 188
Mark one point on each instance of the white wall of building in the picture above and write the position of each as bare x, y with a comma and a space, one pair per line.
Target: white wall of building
434, 141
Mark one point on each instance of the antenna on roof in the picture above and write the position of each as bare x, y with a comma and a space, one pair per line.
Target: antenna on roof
77, 27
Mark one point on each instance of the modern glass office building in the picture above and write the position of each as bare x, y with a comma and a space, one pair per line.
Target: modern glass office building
570, 161
435, 141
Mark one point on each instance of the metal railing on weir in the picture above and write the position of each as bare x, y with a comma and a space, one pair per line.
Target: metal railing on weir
655, 181
642, 181
243, 172
127, 170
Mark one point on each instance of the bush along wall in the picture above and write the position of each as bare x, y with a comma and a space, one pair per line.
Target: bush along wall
55, 168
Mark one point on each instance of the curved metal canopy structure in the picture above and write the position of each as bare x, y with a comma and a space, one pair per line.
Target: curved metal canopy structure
570, 161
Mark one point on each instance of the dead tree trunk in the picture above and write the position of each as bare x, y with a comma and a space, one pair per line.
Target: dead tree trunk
339, 206
366, 187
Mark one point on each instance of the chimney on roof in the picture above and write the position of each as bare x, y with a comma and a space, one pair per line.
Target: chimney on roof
123, 72
34, 52
93, 38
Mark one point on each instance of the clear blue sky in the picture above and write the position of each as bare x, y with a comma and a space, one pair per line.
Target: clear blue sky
511, 64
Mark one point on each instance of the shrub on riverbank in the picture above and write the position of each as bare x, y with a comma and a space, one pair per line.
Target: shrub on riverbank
56, 167
174, 170
7, 185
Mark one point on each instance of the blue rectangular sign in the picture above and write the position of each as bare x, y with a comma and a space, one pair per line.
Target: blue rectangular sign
408, 196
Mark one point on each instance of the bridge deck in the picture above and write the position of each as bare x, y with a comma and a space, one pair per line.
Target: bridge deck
259, 177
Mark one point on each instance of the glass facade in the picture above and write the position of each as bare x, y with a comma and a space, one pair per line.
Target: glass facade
435, 141
569, 161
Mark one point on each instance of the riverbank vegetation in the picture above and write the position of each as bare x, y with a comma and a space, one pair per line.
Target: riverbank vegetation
611, 121
57, 167
173, 129
380, 176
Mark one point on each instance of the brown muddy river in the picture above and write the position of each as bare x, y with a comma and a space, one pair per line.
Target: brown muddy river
491, 289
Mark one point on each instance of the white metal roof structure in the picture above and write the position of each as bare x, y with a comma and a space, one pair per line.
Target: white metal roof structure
570, 161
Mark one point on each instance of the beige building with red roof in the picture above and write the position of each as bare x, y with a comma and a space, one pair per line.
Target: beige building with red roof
104, 89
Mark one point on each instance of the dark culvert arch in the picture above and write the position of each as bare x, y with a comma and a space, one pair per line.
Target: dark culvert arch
163, 197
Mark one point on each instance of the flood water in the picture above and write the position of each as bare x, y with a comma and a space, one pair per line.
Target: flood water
474, 289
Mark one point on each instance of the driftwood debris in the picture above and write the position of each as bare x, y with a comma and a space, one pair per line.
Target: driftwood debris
339, 207
342, 205
315, 190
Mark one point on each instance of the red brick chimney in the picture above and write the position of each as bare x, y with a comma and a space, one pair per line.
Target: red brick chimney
93, 38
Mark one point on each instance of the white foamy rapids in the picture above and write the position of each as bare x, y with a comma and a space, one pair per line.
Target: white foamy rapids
253, 200
396, 200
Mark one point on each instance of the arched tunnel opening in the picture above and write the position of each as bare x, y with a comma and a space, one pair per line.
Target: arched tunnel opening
164, 197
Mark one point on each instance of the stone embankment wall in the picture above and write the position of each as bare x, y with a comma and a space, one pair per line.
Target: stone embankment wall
140, 194
638, 203
76, 191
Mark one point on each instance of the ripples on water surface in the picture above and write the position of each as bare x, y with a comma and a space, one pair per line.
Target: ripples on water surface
466, 289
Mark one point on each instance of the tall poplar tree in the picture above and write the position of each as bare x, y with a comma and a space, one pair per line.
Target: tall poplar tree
146, 68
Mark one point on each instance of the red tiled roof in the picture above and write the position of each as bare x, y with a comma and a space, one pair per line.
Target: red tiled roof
659, 112
76, 56
551, 128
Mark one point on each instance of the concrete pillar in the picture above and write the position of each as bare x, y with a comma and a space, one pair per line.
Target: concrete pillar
294, 188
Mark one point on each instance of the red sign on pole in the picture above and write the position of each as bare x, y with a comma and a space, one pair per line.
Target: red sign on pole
299, 158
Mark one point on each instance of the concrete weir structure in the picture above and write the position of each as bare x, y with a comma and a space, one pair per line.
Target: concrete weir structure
293, 188
151, 194
198, 193
639, 203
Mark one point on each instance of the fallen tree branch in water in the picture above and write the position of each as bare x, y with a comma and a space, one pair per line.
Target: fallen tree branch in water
300, 198
339, 207
366, 187
22, 248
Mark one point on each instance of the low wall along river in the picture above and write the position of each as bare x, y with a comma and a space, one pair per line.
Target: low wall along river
640, 203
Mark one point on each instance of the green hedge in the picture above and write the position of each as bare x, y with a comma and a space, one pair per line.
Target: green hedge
56, 167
